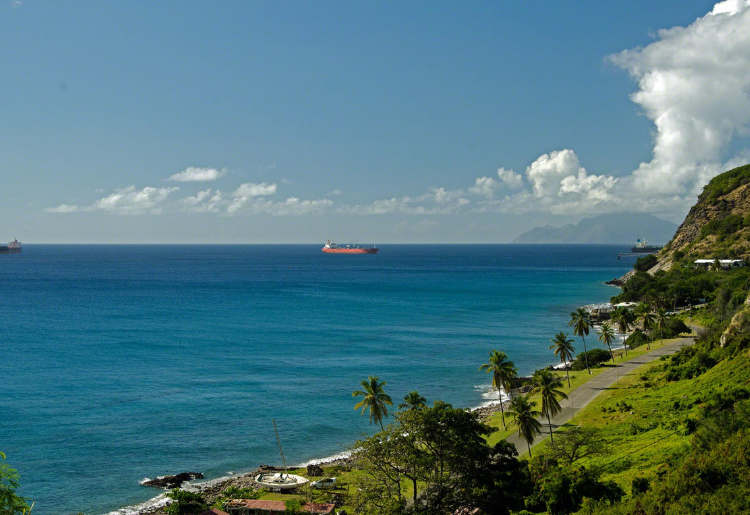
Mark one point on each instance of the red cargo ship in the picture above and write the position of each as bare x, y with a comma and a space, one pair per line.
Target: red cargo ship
332, 248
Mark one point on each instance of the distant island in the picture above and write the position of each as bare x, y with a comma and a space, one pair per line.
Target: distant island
609, 228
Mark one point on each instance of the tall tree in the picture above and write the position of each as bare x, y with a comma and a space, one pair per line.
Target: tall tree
564, 350
607, 336
661, 321
375, 399
413, 401
525, 415
623, 318
443, 452
643, 314
580, 321
503, 371
547, 384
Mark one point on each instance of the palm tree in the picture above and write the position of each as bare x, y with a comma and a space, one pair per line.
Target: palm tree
375, 399
525, 416
580, 321
607, 336
661, 321
564, 349
503, 371
548, 386
413, 401
623, 317
643, 313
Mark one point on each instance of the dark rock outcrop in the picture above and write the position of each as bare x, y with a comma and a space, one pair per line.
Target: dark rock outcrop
170, 482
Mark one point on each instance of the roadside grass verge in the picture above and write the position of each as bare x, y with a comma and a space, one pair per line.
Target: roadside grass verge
577, 379
644, 419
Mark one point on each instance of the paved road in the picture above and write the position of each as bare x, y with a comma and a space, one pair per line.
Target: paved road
585, 393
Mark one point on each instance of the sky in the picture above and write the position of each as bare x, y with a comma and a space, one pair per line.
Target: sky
372, 122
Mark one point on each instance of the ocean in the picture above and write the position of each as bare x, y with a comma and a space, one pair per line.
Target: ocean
121, 362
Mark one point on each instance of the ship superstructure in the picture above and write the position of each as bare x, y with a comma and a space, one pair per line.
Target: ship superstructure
14, 247
642, 247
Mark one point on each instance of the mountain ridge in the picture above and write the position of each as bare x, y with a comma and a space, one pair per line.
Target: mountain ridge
612, 228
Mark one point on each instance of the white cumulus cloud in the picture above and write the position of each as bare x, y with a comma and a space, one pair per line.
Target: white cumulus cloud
206, 201
693, 84
63, 208
130, 201
192, 174
510, 178
250, 189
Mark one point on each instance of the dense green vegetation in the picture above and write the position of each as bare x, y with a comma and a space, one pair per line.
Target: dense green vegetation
685, 285
724, 183
10, 502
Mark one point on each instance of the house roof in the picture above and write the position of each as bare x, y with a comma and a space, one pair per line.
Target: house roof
214, 511
260, 504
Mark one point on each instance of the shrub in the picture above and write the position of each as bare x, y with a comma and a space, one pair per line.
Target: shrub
636, 339
186, 503
645, 263
699, 363
595, 358
292, 507
640, 485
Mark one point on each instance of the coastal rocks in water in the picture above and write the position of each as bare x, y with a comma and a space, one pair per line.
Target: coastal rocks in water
314, 470
170, 482
620, 281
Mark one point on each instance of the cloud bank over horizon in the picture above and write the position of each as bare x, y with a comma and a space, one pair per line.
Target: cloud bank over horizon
693, 84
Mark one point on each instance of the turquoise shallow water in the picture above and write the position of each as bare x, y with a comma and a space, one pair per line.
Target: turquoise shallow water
122, 362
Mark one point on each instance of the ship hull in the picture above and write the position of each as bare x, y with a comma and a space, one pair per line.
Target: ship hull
6, 250
351, 251
644, 250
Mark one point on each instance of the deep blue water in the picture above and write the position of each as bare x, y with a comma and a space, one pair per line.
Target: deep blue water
121, 362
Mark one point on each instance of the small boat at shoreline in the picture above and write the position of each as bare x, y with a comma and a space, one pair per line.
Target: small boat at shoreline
333, 248
280, 481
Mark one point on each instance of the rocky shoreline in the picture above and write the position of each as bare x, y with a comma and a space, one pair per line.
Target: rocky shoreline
212, 489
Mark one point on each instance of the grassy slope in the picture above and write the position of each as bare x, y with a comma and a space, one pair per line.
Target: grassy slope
649, 434
577, 378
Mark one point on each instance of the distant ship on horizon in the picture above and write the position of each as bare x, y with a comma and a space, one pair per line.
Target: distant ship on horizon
14, 247
332, 248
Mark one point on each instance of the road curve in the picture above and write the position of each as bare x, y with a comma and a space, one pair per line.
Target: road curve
587, 392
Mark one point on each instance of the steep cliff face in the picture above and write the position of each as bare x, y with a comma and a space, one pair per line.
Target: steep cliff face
718, 225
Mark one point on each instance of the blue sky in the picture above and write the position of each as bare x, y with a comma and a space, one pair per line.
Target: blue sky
381, 122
